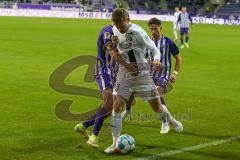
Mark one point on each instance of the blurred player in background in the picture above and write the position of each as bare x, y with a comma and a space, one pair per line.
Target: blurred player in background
175, 24
161, 78
105, 75
184, 20
133, 73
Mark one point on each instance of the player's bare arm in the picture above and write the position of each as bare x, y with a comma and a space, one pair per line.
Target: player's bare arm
112, 50
173, 76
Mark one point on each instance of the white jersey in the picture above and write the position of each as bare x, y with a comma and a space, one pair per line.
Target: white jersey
185, 20
175, 17
133, 44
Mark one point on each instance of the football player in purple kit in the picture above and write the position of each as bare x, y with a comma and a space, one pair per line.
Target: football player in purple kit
161, 78
184, 19
105, 75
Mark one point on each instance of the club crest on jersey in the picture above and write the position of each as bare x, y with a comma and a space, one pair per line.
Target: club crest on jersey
125, 44
129, 38
107, 35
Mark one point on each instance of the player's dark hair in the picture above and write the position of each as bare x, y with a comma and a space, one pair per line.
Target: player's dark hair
154, 21
119, 15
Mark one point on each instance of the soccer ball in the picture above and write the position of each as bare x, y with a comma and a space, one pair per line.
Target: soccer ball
125, 143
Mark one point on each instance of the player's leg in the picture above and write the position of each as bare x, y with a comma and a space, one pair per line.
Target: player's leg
175, 35
161, 86
101, 114
105, 86
97, 119
186, 38
122, 95
163, 112
157, 106
117, 118
128, 109
181, 37
116, 122
175, 32
81, 128
155, 102
149, 92
164, 127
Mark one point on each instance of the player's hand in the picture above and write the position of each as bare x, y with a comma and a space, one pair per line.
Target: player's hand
133, 69
114, 39
110, 46
156, 64
173, 78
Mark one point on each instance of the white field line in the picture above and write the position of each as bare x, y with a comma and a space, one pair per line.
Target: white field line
190, 148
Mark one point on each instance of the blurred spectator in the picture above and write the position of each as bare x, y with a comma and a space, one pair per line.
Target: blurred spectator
146, 5
105, 9
101, 2
119, 5
83, 2
131, 3
231, 17
207, 9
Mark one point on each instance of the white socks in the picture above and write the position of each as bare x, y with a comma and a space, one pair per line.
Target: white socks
116, 125
124, 114
175, 34
166, 114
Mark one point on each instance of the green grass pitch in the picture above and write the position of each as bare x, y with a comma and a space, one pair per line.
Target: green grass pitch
205, 98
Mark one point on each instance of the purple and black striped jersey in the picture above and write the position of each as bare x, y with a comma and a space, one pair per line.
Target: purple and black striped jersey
104, 64
167, 49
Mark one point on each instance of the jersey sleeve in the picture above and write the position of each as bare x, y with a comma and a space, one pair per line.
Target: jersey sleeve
173, 47
150, 45
179, 18
106, 37
190, 18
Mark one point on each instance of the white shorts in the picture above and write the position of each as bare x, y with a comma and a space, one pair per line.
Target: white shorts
142, 85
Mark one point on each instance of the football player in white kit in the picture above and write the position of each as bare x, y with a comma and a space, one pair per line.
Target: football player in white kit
176, 26
134, 74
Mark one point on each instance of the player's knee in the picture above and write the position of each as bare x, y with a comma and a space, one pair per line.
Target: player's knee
108, 103
156, 105
158, 108
118, 104
107, 100
160, 90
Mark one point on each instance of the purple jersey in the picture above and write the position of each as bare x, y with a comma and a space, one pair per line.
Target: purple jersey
167, 48
105, 68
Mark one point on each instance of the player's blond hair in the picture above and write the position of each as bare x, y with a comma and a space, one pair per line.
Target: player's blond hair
119, 15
